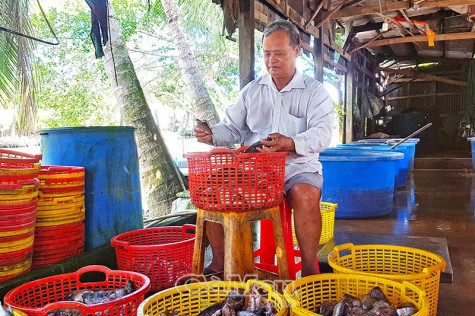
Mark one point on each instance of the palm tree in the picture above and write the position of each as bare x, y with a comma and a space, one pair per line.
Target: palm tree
160, 176
202, 104
17, 85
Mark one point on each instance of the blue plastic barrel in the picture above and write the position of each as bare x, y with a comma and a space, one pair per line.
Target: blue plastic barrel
361, 182
112, 184
472, 140
404, 164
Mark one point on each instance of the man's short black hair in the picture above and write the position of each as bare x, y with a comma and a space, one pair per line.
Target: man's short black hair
284, 25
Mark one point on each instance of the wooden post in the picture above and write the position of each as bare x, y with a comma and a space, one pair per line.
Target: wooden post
246, 42
318, 47
349, 104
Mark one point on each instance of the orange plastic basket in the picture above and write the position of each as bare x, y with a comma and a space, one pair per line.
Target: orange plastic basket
306, 294
164, 254
229, 180
397, 263
37, 298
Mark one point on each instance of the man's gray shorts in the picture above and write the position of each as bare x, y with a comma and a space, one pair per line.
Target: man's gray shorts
312, 178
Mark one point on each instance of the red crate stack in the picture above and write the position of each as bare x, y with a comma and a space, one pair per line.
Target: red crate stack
18, 202
60, 215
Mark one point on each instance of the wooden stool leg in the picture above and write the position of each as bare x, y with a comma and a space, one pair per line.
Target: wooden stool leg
199, 249
281, 251
238, 258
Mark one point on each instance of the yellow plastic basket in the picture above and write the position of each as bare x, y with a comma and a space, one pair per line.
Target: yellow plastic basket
59, 221
26, 230
15, 269
59, 195
59, 201
306, 294
21, 171
193, 298
17, 312
55, 213
14, 197
398, 263
328, 223
22, 200
6, 247
42, 207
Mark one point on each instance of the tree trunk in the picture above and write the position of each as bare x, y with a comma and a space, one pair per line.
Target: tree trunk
202, 105
160, 177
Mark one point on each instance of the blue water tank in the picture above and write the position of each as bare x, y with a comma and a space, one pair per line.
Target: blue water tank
361, 182
112, 184
472, 140
404, 164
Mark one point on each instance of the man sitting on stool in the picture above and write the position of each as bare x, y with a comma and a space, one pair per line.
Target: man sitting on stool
296, 112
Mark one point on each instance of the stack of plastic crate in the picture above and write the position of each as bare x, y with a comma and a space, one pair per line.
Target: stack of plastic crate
60, 230
18, 202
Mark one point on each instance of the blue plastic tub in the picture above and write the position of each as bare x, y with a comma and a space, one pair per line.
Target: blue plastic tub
387, 140
403, 165
410, 143
112, 182
361, 182
472, 140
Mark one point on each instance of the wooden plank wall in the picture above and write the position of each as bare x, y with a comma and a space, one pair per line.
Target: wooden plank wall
428, 95
365, 78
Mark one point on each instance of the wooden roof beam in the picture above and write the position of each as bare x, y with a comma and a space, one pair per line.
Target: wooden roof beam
299, 21
328, 15
395, 6
409, 72
422, 38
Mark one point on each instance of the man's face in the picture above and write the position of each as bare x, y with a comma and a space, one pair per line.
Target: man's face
279, 56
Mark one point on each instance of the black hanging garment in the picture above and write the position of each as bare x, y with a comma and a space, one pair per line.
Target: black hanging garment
99, 25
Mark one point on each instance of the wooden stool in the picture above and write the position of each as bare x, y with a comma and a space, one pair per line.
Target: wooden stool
238, 248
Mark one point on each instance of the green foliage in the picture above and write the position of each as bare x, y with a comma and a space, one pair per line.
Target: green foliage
73, 88
217, 58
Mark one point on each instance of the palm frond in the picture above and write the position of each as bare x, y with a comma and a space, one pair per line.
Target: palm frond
17, 75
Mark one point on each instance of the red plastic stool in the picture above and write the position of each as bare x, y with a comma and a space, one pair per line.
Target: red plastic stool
266, 251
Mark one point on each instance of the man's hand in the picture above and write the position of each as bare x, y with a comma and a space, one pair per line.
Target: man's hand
203, 136
279, 142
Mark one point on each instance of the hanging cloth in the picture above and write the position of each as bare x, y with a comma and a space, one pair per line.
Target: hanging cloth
423, 26
99, 25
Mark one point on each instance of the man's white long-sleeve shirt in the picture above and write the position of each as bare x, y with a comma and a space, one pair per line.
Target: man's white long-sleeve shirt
302, 110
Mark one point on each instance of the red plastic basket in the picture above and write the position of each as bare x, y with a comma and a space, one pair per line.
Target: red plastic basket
19, 206
16, 256
12, 175
14, 159
49, 172
49, 233
229, 180
38, 297
164, 254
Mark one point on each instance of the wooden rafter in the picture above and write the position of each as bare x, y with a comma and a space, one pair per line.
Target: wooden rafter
296, 18
394, 6
410, 72
331, 13
317, 10
326, 58
422, 38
